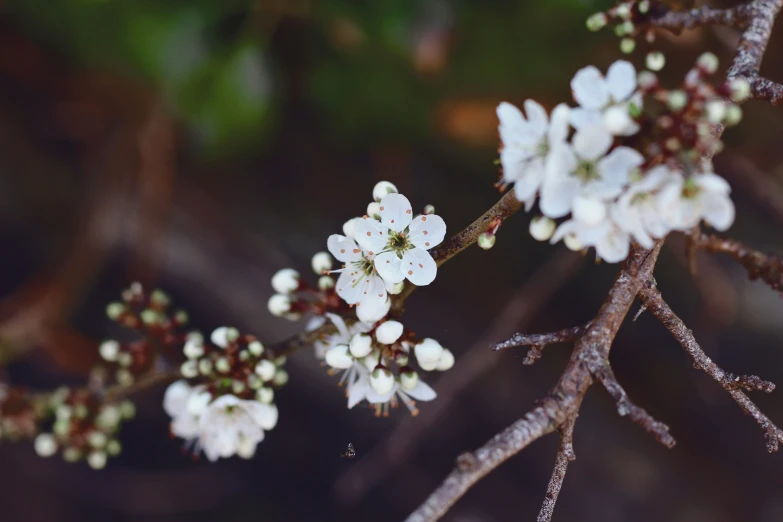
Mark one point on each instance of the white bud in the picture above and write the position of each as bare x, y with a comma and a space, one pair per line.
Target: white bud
587, 210
124, 377
62, 427
428, 353
285, 281
573, 243
279, 304
372, 360
428, 210
320, 262
542, 228
708, 63
643, 6
237, 387
109, 417
113, 448
733, 115
205, 366
369, 314
382, 381
197, 402
115, 310
374, 210
127, 409
627, 45
446, 361
382, 189
389, 332
655, 61
618, 121
223, 336
360, 345
339, 357
97, 439
348, 227
194, 348
409, 380
254, 381
739, 89
647, 80
280, 378
71, 454
265, 395
395, 288
64, 412
222, 365
716, 110
189, 369
97, 459
256, 348
486, 240
109, 350
597, 21
266, 369
124, 359
45, 445
678, 99
325, 283
623, 11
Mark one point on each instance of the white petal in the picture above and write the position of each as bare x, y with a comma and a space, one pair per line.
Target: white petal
185, 426
338, 357
340, 324
588, 210
557, 197
510, 116
536, 117
376, 398
712, 183
618, 121
371, 235
590, 143
351, 285
718, 210
558, 127
427, 231
389, 267
614, 247
358, 390
421, 392
589, 88
581, 118
372, 311
246, 447
616, 168
420, 269
176, 397
526, 187
621, 80
265, 415
343, 248
396, 212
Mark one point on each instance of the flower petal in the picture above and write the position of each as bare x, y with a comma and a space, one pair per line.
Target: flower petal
389, 267
581, 118
526, 187
427, 231
536, 117
718, 210
558, 126
176, 397
592, 142
351, 285
371, 235
357, 391
614, 246
396, 212
264, 415
621, 80
589, 88
343, 248
374, 397
420, 269
421, 392
372, 311
615, 169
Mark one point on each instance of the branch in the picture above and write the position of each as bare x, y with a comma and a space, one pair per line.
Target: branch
736, 17
767, 267
652, 298
562, 402
565, 454
537, 342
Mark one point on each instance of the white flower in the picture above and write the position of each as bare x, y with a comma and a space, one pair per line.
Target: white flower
339, 357
399, 243
637, 210
359, 283
341, 337
381, 380
526, 144
607, 100
389, 332
419, 391
231, 426
428, 353
223, 336
285, 281
611, 243
684, 202
583, 168
184, 405
109, 350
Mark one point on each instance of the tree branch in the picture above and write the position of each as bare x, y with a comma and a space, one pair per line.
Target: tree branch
565, 454
537, 342
652, 298
767, 267
736, 17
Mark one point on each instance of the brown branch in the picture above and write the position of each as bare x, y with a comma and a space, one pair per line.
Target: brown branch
562, 402
736, 17
565, 454
537, 342
652, 298
767, 267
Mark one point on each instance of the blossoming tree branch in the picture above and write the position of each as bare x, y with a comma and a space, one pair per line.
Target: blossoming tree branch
626, 164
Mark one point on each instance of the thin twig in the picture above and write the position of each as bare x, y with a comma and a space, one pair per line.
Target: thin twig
566, 335
767, 267
732, 384
565, 454
736, 17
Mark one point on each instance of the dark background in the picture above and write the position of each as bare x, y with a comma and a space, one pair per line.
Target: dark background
201, 145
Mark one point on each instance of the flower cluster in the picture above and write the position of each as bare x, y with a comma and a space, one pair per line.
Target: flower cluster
633, 167
84, 427
382, 249
630, 18
228, 413
376, 363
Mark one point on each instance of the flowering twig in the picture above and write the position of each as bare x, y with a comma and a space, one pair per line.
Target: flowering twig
565, 454
562, 402
651, 297
538, 342
768, 268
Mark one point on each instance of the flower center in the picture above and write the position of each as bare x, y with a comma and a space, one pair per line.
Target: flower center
587, 171
690, 189
365, 266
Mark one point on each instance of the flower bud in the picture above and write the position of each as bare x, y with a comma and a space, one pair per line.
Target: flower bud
205, 366
320, 262
115, 310
97, 459
428, 210
597, 21
372, 360
395, 288
381, 381
71, 454
486, 240
618, 121
587, 210
338, 357
181, 317
255, 348
647, 80
124, 359
370, 315
382, 189
428, 353
113, 448
360, 345
124, 377
254, 382
223, 336
97, 439
189, 369
627, 45
739, 90
149, 316
194, 348
623, 11
62, 427
733, 115
127, 410
285, 281
159, 298
624, 28
643, 6
677, 100
409, 380
348, 227
655, 61
542, 228
389, 332
573, 243
716, 110
708, 63
374, 210
325, 283
222, 365
45, 445
279, 304
280, 378
446, 361
237, 387
109, 350
265, 395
